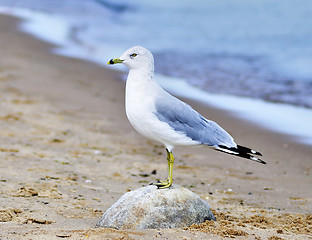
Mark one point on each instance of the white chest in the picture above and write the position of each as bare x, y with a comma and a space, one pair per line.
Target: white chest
140, 102
140, 109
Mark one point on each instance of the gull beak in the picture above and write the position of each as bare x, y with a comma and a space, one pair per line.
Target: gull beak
114, 61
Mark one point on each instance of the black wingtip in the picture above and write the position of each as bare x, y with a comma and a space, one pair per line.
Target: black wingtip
256, 159
241, 151
248, 150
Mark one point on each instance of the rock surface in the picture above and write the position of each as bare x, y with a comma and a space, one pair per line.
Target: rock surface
149, 207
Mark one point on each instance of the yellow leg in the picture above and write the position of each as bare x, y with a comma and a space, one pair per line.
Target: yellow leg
168, 182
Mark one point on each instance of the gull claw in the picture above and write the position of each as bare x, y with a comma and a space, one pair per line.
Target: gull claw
162, 184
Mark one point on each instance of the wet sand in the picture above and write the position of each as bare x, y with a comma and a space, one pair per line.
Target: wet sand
67, 153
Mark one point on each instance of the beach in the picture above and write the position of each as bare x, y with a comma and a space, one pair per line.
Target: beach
68, 153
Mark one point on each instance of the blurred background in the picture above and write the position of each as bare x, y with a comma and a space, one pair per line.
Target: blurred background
260, 49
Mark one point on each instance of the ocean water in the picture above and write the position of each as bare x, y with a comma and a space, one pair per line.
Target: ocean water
259, 49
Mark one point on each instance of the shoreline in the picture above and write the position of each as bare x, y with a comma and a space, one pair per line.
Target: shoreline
245, 107
70, 153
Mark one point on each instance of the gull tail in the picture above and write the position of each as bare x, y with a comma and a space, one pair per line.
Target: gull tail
241, 151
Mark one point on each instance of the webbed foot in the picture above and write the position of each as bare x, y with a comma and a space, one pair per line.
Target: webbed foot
162, 184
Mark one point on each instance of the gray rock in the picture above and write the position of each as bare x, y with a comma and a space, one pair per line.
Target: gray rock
149, 207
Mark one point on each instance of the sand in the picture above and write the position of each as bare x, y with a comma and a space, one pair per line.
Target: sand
67, 153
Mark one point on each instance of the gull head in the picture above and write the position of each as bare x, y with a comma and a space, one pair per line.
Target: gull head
136, 58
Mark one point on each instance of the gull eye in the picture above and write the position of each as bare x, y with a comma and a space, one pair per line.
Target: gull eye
133, 55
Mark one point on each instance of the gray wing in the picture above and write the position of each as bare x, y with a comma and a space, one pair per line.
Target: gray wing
183, 118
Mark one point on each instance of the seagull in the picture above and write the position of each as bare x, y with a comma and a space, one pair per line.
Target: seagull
157, 115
